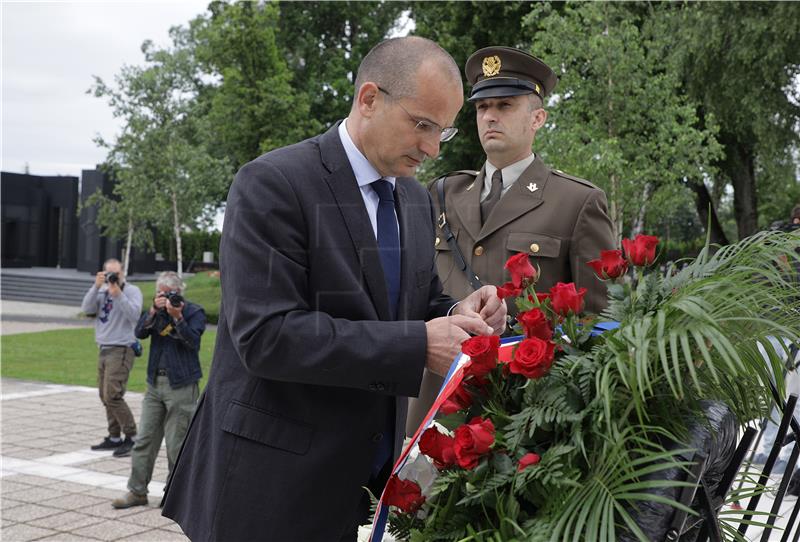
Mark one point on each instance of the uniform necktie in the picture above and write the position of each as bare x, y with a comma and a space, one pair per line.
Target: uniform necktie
494, 195
388, 242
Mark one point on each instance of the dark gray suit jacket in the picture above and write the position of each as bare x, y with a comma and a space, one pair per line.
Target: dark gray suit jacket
307, 362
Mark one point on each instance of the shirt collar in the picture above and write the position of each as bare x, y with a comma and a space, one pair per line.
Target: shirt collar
364, 171
510, 173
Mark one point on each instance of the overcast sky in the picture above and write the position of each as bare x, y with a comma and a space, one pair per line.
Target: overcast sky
50, 50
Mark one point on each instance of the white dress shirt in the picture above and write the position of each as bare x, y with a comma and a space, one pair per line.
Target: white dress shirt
365, 174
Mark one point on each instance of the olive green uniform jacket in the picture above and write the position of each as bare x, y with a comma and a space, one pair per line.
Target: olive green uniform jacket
559, 220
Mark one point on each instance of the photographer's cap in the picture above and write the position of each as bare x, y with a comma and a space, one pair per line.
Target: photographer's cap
499, 71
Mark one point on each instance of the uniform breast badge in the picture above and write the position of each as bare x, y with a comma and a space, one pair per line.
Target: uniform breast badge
532, 187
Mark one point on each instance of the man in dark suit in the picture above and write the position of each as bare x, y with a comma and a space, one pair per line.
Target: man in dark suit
331, 308
515, 203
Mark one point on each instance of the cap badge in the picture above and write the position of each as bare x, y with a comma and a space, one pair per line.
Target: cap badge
491, 66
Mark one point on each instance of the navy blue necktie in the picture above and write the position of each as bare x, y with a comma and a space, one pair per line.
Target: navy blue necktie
389, 250
388, 242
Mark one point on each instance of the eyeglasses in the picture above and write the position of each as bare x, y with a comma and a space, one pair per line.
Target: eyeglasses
425, 127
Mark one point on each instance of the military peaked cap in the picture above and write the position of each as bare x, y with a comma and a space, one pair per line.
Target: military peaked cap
497, 71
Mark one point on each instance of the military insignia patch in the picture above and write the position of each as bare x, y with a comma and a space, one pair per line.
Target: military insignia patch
491, 66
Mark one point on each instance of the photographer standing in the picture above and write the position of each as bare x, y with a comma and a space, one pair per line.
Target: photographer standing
117, 306
173, 369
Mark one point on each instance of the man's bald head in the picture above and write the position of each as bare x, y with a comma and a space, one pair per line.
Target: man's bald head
393, 64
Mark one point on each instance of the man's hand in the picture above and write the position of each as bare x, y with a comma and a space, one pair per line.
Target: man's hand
159, 302
175, 312
114, 289
99, 279
445, 336
485, 304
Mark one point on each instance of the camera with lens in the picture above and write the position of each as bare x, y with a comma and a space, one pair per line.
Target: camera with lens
175, 299
112, 278
784, 226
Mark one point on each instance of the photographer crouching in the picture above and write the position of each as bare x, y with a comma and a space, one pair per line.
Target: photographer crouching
173, 370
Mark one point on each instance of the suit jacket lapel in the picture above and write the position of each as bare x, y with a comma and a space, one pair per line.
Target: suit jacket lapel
406, 218
467, 203
523, 196
343, 185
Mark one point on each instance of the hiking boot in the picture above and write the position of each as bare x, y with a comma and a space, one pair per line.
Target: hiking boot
124, 450
128, 500
107, 444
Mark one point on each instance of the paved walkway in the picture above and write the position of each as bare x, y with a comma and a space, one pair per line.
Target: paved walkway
52, 486
27, 317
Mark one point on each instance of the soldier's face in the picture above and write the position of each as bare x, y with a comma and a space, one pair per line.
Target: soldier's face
506, 127
396, 147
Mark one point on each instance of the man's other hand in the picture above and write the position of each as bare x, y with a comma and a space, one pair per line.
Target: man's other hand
445, 336
114, 289
99, 279
485, 304
175, 312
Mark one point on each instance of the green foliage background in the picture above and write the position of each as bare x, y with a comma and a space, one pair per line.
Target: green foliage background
665, 105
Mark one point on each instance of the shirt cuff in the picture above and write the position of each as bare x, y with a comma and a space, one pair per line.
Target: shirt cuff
450, 310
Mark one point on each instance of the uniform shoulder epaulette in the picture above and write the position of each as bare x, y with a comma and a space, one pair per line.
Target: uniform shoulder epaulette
471, 172
573, 178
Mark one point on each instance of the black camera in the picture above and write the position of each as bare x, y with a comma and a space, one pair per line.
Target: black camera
784, 226
175, 299
112, 278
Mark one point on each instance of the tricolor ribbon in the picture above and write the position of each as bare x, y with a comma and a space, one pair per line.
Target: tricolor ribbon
453, 379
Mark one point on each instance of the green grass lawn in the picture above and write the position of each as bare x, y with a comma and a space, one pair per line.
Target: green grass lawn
202, 289
69, 356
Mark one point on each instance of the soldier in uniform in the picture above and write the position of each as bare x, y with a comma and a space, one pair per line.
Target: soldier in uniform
515, 203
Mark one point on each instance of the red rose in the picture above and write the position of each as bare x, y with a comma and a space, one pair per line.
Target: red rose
610, 265
458, 400
532, 358
508, 290
482, 351
535, 324
473, 440
641, 251
404, 494
565, 299
438, 447
522, 272
541, 298
527, 460
476, 380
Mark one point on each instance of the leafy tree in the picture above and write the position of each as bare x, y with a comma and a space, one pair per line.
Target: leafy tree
741, 62
617, 116
247, 97
275, 73
165, 176
323, 44
124, 214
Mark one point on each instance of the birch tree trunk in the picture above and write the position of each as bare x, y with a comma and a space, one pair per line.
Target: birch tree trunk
126, 260
638, 224
177, 231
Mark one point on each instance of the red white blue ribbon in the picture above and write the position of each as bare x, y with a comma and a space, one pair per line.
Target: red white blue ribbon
453, 379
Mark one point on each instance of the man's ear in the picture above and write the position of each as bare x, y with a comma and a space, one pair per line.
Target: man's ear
538, 119
367, 99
